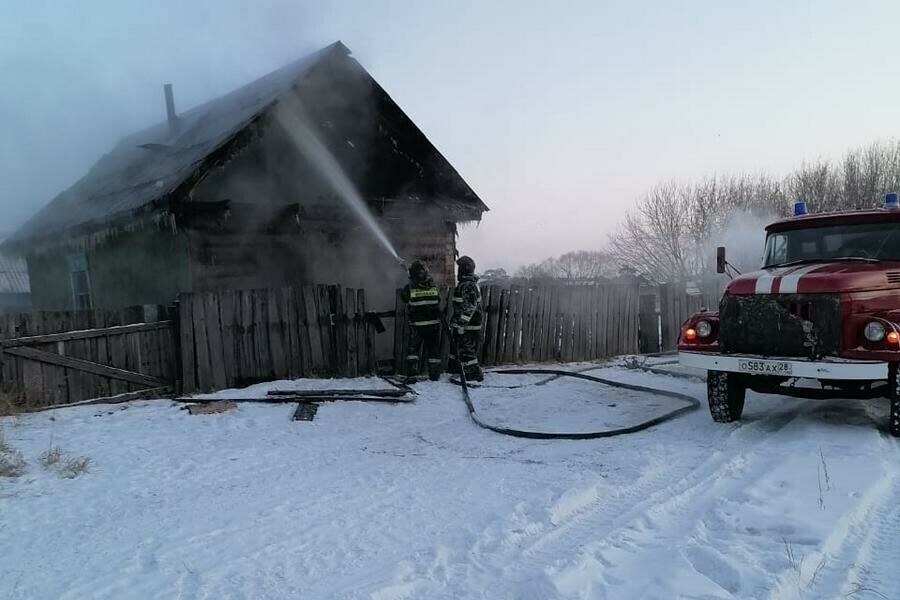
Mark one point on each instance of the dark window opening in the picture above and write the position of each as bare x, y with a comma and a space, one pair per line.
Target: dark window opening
80, 282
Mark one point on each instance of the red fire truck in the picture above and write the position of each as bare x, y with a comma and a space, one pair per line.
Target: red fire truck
820, 319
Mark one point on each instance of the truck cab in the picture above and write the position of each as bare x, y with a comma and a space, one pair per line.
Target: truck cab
820, 319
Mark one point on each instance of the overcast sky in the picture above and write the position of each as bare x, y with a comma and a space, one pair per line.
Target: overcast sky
558, 114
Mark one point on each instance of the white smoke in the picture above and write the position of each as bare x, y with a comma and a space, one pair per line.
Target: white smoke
744, 237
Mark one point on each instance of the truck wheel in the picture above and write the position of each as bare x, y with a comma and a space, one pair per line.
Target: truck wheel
725, 394
894, 422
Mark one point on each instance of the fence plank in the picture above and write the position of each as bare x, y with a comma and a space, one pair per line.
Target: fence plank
527, 324
493, 318
311, 316
291, 332
227, 312
367, 334
35, 355
352, 334
204, 372
339, 318
326, 328
214, 339
276, 334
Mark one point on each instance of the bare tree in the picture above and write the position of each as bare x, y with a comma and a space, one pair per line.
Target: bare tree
667, 236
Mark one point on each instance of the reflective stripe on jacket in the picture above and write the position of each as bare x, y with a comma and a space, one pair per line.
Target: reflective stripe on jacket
423, 303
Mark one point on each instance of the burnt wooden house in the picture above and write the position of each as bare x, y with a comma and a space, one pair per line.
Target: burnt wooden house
245, 191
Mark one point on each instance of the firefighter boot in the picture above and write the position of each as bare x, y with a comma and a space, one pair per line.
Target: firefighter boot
474, 373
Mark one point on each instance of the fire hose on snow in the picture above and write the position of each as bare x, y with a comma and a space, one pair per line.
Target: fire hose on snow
690, 404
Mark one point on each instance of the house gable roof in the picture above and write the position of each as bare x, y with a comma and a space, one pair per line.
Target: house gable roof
147, 168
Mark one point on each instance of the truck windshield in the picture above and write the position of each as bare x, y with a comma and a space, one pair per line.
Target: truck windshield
863, 241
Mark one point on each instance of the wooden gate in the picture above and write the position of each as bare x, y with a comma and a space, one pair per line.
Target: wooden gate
54, 358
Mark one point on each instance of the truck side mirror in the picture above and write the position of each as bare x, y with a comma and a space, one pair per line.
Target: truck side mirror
720, 259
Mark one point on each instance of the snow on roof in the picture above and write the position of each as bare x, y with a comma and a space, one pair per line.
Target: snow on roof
146, 165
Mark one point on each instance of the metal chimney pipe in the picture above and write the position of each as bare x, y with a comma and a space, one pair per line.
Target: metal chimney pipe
170, 108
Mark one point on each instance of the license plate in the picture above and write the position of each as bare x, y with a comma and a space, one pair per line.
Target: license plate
765, 367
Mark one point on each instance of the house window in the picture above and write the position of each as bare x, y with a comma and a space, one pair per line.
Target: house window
80, 281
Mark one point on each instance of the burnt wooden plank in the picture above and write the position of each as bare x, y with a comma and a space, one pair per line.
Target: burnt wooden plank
227, 312
82, 365
339, 320
367, 333
326, 328
246, 345
204, 368
352, 344
264, 360
276, 335
306, 354
292, 333
214, 339
306, 411
143, 394
186, 331
313, 330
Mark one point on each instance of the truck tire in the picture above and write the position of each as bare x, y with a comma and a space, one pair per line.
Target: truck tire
894, 419
725, 393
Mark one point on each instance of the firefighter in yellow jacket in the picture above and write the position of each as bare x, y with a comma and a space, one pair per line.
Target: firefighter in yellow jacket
424, 315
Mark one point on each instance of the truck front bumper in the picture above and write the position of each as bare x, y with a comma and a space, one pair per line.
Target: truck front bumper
755, 365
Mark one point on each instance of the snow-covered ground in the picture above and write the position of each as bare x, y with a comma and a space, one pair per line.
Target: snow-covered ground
800, 500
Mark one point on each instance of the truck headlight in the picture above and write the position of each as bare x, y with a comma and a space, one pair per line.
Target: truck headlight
704, 329
874, 331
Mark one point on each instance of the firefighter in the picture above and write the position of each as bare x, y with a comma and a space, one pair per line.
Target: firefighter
424, 316
467, 318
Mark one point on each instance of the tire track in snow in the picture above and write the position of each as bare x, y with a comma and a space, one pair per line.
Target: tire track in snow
861, 558
607, 511
694, 532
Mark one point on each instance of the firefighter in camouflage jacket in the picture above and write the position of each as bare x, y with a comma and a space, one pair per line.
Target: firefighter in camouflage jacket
424, 316
468, 316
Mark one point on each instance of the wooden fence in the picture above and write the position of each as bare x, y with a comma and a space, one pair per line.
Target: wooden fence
215, 340
546, 324
64, 357
233, 338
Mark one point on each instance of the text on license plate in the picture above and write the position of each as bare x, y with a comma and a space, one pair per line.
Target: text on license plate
765, 367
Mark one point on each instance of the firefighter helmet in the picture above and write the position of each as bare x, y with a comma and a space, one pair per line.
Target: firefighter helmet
466, 265
418, 271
